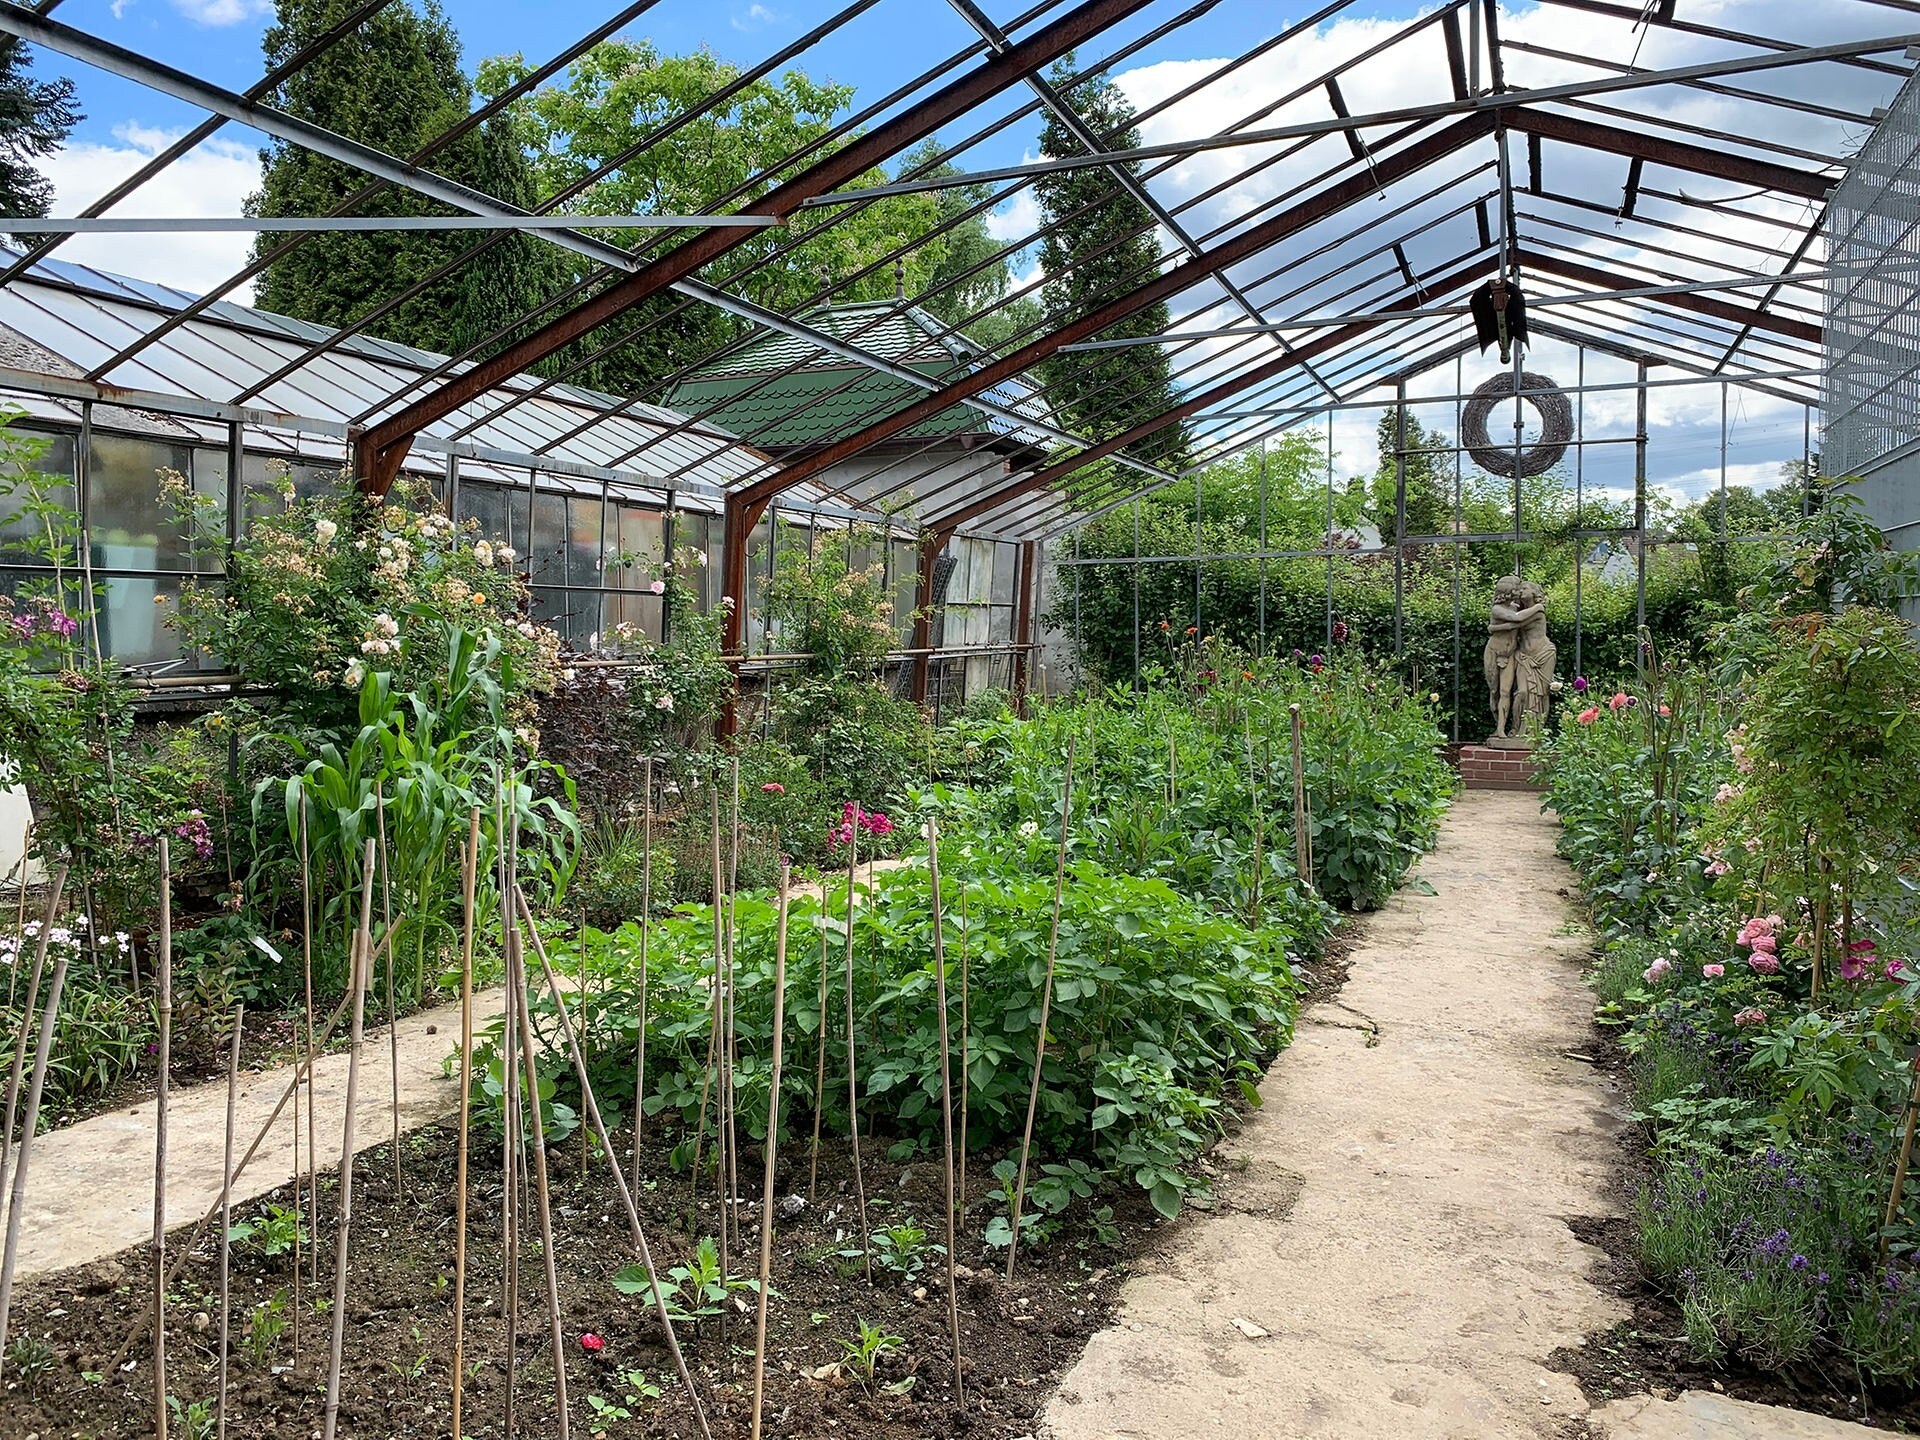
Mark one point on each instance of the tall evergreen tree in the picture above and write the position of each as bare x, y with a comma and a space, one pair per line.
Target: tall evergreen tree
35, 116
1429, 478
395, 84
1102, 242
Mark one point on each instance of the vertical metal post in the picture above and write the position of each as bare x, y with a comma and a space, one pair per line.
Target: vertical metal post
1261, 647
1079, 655
1640, 498
1326, 541
453, 486
236, 459
1806, 460
1136, 597
1196, 554
1459, 376
1399, 517
1723, 462
1579, 497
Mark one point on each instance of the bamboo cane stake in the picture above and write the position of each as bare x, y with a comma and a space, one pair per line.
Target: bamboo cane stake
1302, 838
966, 1075
20, 926
543, 1211
1259, 819
301, 1182
819, 1056
393, 1012
1046, 1010
853, 1084
358, 984
18, 1070
713, 1031
469, 882
729, 1036
17, 1188
1899, 1169
946, 1096
226, 1225
511, 1138
163, 981
646, 924
592, 1107
585, 1144
145, 1317
773, 1141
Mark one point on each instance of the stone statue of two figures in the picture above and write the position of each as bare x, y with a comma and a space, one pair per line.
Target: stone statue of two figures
1519, 662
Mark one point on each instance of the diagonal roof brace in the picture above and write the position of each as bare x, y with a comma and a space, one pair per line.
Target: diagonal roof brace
1255, 238
381, 449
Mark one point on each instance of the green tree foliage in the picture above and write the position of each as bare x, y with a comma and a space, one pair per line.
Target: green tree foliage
1103, 243
1429, 469
35, 116
397, 86
625, 94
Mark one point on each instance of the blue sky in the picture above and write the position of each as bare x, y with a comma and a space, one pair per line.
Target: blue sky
220, 39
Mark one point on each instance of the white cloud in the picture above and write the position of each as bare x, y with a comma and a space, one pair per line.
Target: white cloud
213, 179
218, 12
1326, 267
752, 18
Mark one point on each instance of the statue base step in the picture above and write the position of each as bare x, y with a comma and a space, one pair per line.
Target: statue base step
1508, 766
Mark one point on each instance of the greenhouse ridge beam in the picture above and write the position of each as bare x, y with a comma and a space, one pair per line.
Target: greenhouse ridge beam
1181, 277
329, 225
1043, 478
379, 452
1341, 125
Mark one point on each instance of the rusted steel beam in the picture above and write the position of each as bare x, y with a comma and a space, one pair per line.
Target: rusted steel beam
1331, 340
1676, 154
1744, 315
1384, 171
380, 451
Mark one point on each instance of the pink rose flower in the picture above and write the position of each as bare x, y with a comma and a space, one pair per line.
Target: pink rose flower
1713, 971
1763, 963
1752, 1015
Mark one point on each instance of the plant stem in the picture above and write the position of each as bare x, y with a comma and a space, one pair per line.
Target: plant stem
646, 923
469, 881
1046, 1010
946, 1097
359, 982
36, 1086
592, 1107
18, 1071
773, 1142
163, 983
226, 1224
853, 1084
517, 987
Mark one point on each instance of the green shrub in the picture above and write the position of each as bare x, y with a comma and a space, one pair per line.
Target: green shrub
1162, 1011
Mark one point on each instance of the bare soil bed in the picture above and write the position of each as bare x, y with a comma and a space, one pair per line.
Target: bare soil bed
397, 1375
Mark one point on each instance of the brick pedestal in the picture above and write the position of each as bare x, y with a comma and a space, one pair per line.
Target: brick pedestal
1483, 767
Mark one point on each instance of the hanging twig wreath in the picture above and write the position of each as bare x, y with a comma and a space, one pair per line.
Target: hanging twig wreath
1556, 426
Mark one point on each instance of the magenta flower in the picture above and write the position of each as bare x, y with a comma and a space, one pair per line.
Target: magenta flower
1340, 632
592, 1343
1579, 684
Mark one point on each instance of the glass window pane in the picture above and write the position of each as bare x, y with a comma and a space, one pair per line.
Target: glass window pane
583, 540
1006, 573
486, 505
57, 461
546, 550
641, 548
131, 528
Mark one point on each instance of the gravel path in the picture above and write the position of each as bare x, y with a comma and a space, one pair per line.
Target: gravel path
1391, 1259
